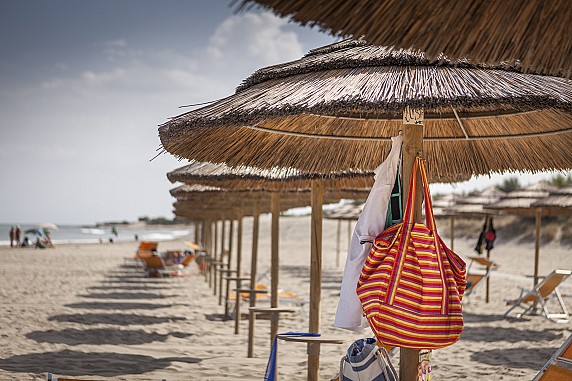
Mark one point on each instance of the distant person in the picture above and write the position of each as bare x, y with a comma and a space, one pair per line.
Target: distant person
26, 241
136, 238
114, 231
18, 235
39, 244
48, 240
12, 236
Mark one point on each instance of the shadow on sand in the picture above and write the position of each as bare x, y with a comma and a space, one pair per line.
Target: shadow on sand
127, 296
529, 358
115, 319
101, 336
509, 335
74, 363
120, 306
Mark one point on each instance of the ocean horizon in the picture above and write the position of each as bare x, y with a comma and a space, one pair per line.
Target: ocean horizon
69, 234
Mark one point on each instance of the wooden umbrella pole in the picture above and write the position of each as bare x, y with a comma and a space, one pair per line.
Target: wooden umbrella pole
216, 257
315, 277
453, 233
209, 252
253, 275
349, 233
229, 264
238, 273
537, 223
274, 260
222, 251
412, 146
488, 280
339, 234
196, 236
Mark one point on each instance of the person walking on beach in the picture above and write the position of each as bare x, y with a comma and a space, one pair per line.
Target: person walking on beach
18, 235
12, 236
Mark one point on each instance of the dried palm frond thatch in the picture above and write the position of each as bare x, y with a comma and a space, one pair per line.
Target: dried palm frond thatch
536, 33
558, 202
273, 179
232, 203
336, 109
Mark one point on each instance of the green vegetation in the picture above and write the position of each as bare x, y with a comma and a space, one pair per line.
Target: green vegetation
561, 180
509, 184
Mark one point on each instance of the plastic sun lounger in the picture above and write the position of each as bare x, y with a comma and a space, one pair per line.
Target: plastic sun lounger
559, 366
541, 294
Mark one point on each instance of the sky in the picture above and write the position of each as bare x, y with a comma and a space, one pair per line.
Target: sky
85, 84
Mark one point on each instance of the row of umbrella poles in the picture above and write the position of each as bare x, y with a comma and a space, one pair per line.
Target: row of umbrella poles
211, 191
337, 108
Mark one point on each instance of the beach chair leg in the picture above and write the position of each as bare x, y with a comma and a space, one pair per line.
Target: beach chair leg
515, 305
565, 312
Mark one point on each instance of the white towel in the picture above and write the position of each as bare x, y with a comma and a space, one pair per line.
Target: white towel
371, 222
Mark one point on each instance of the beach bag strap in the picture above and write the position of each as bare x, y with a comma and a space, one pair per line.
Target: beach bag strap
405, 235
271, 365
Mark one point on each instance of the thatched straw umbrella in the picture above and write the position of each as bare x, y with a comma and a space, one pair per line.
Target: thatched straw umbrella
524, 203
280, 184
336, 109
340, 105
346, 212
536, 32
250, 178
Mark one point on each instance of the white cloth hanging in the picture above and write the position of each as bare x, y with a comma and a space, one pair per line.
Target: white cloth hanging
371, 222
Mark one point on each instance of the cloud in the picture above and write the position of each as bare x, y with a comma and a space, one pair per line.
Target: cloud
259, 36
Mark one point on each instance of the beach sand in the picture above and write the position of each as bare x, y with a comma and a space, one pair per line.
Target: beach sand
86, 311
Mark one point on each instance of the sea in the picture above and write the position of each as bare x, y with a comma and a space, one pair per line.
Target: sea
67, 234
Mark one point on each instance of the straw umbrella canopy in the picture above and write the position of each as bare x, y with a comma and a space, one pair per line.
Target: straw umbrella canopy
339, 106
558, 202
536, 32
273, 179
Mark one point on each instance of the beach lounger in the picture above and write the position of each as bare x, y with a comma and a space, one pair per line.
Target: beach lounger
559, 366
155, 267
541, 294
146, 249
474, 279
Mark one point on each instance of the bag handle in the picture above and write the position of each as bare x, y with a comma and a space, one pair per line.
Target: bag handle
407, 228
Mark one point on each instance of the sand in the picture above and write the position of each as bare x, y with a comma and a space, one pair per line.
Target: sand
86, 311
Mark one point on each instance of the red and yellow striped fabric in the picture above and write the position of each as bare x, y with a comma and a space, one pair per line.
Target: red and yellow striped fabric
411, 284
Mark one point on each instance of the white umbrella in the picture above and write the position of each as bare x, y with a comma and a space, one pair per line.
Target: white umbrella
48, 226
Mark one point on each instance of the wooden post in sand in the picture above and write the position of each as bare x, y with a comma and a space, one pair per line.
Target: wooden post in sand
214, 256
537, 223
274, 260
253, 275
452, 233
221, 265
412, 147
229, 264
315, 277
338, 235
238, 272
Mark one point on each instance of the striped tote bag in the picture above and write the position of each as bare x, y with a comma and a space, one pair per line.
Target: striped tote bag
411, 284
